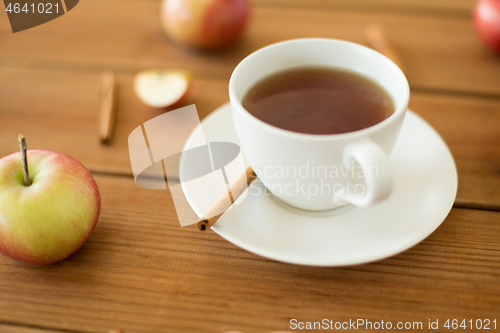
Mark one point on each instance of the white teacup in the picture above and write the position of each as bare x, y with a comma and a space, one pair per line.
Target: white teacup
320, 172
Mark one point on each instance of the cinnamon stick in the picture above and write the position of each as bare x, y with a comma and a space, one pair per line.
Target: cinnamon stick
378, 40
222, 205
107, 117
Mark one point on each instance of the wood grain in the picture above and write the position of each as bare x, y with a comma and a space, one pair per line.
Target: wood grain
46, 105
4, 328
441, 53
142, 272
470, 128
437, 7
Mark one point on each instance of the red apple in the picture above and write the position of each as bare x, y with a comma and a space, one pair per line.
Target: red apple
204, 24
486, 18
50, 219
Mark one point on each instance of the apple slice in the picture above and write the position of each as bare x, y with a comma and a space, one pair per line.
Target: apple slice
162, 88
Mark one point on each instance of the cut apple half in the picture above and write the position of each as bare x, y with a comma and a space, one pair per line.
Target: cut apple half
162, 88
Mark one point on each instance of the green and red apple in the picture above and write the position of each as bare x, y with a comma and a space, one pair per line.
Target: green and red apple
49, 220
204, 24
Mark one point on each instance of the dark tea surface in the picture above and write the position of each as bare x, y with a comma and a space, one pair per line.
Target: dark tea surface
319, 100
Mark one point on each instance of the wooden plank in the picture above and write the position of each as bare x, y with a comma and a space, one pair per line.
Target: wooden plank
470, 128
441, 53
23, 329
461, 8
439, 7
58, 110
142, 272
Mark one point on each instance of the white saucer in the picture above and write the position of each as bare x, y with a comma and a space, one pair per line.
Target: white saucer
425, 186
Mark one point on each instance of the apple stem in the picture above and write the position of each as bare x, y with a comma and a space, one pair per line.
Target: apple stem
22, 144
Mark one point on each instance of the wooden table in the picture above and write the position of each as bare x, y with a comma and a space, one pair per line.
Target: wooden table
141, 272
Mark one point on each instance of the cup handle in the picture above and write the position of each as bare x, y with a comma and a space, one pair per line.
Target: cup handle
376, 170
